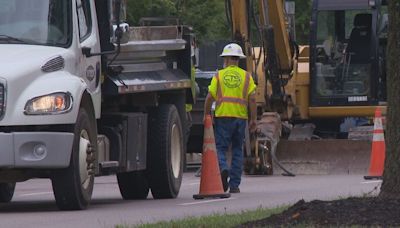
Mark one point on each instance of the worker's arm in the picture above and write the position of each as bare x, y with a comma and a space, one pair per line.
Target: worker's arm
253, 112
207, 105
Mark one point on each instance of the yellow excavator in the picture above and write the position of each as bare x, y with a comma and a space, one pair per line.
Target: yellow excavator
322, 90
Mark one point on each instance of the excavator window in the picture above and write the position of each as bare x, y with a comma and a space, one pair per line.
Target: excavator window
348, 53
383, 23
343, 45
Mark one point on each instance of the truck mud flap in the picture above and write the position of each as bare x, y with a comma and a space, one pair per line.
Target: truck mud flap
333, 156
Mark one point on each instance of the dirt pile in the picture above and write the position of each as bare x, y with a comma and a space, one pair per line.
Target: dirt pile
368, 211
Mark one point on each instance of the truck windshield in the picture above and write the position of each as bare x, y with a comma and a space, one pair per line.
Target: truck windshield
343, 60
43, 22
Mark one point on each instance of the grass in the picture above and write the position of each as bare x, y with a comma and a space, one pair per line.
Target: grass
216, 220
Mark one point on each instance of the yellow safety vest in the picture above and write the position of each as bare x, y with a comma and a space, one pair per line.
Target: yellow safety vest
232, 92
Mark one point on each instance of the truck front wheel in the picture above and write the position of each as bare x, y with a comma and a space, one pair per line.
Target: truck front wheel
165, 146
73, 186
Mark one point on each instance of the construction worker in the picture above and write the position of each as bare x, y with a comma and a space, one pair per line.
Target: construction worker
233, 90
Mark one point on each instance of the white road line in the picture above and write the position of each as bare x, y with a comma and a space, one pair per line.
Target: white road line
207, 201
191, 184
371, 182
35, 194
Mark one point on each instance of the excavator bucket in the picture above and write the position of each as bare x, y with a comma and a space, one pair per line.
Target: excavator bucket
326, 156
300, 154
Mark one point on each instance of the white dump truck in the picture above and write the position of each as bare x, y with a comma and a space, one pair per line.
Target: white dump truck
82, 94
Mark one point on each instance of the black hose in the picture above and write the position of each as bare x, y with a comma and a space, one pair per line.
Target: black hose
249, 4
228, 13
117, 32
273, 155
256, 23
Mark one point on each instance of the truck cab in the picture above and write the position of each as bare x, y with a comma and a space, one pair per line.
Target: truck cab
83, 94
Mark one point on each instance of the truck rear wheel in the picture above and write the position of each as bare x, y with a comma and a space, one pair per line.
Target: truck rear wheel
133, 185
6, 192
165, 146
73, 186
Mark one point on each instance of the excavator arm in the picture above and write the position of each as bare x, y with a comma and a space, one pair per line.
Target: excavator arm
271, 64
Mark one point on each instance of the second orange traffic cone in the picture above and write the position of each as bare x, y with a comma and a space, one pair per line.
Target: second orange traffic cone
378, 149
210, 182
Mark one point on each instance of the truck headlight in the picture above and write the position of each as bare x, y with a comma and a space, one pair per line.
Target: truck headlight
55, 103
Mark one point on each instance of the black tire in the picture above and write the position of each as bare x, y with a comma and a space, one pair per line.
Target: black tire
73, 186
6, 192
165, 147
133, 185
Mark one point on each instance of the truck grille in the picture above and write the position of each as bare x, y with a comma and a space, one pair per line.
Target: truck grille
2, 100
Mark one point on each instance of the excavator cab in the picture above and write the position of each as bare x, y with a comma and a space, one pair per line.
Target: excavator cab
347, 53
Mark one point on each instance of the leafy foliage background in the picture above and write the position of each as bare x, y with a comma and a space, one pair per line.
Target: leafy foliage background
207, 17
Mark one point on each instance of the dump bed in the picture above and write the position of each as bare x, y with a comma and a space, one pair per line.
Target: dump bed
155, 58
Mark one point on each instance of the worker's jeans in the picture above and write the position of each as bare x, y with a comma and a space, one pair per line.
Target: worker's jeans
230, 131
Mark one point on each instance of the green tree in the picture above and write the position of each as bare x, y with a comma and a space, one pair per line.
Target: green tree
207, 17
303, 16
391, 178
149, 8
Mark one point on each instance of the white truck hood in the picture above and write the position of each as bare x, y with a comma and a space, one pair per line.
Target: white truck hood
23, 78
16, 59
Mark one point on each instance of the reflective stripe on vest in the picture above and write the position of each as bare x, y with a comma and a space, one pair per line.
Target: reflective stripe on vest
236, 100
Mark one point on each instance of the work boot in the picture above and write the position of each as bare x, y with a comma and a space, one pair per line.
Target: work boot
234, 190
224, 178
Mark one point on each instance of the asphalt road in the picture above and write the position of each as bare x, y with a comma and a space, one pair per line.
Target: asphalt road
33, 204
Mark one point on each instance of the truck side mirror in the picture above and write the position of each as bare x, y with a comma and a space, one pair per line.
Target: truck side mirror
120, 33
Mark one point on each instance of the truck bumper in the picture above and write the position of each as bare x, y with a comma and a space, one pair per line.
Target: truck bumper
35, 149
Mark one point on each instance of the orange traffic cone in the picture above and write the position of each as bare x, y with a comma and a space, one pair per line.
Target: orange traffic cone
378, 149
210, 180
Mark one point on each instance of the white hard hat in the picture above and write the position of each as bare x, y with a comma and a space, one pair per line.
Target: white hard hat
233, 49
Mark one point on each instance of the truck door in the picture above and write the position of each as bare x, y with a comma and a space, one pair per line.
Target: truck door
88, 37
